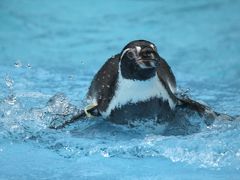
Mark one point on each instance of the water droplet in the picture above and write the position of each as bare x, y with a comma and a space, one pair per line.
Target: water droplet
70, 77
18, 64
29, 66
105, 154
9, 82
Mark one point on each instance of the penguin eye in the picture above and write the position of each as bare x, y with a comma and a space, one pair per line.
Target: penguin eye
130, 54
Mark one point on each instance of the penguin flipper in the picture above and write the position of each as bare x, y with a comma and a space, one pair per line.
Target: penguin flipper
99, 92
186, 102
103, 85
204, 111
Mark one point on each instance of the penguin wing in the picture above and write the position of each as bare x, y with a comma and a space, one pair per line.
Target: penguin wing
103, 85
204, 111
166, 75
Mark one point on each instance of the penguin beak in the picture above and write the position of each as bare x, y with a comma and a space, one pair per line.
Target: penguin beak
147, 58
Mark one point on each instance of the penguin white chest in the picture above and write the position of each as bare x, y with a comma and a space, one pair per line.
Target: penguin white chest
133, 91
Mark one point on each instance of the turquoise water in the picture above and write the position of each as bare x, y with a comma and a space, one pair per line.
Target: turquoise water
49, 52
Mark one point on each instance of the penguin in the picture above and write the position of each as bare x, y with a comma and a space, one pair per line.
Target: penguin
137, 84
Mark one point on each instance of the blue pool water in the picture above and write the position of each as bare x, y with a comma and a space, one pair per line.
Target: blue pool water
49, 52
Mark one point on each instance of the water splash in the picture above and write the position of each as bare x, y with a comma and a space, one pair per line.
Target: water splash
11, 98
9, 82
202, 146
209, 148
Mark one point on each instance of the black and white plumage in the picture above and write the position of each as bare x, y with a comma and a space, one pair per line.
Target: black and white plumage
137, 83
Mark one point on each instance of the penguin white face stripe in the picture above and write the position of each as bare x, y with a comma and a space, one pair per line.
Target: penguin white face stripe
133, 91
123, 53
138, 48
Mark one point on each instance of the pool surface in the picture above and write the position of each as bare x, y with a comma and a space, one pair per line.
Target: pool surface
50, 51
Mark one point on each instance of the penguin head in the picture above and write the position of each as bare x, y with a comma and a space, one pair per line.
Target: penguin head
138, 60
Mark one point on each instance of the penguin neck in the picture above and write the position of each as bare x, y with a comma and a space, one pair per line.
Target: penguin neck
133, 72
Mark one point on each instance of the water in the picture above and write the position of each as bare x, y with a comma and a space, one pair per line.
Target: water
49, 52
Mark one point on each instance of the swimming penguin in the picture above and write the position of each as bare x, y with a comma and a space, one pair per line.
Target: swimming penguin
138, 84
